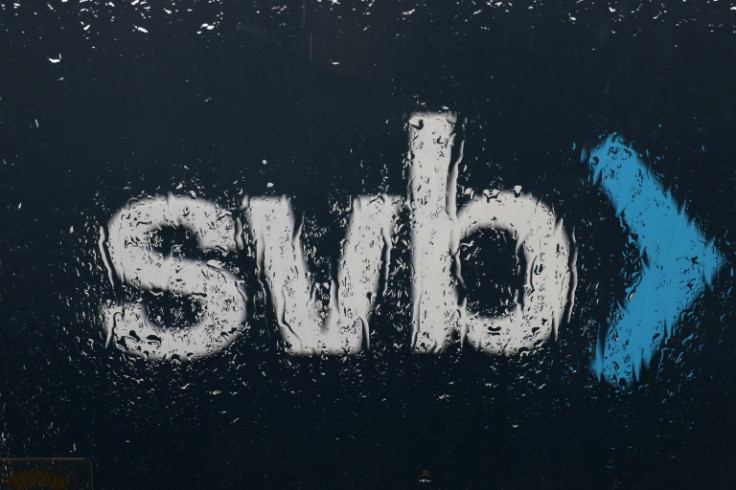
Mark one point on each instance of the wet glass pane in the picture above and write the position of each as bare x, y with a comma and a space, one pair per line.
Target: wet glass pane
367, 244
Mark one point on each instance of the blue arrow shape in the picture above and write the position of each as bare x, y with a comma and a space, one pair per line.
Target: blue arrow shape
681, 262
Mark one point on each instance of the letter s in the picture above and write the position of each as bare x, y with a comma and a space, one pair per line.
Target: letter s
218, 292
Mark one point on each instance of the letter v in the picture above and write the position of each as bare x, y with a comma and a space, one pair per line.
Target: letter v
281, 260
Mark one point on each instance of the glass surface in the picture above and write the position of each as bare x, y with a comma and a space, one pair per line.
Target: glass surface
211, 112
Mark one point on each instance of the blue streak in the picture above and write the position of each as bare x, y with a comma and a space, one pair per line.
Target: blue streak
681, 262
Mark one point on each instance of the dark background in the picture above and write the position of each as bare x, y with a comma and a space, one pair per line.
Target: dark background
321, 92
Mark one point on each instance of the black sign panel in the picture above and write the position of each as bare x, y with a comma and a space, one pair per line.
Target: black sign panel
616, 117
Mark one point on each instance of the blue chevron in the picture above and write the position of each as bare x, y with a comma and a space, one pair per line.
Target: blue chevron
681, 263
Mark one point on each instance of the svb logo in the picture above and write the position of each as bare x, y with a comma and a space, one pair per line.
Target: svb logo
680, 264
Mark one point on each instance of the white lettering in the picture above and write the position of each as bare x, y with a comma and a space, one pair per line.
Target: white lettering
436, 232
136, 263
305, 327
